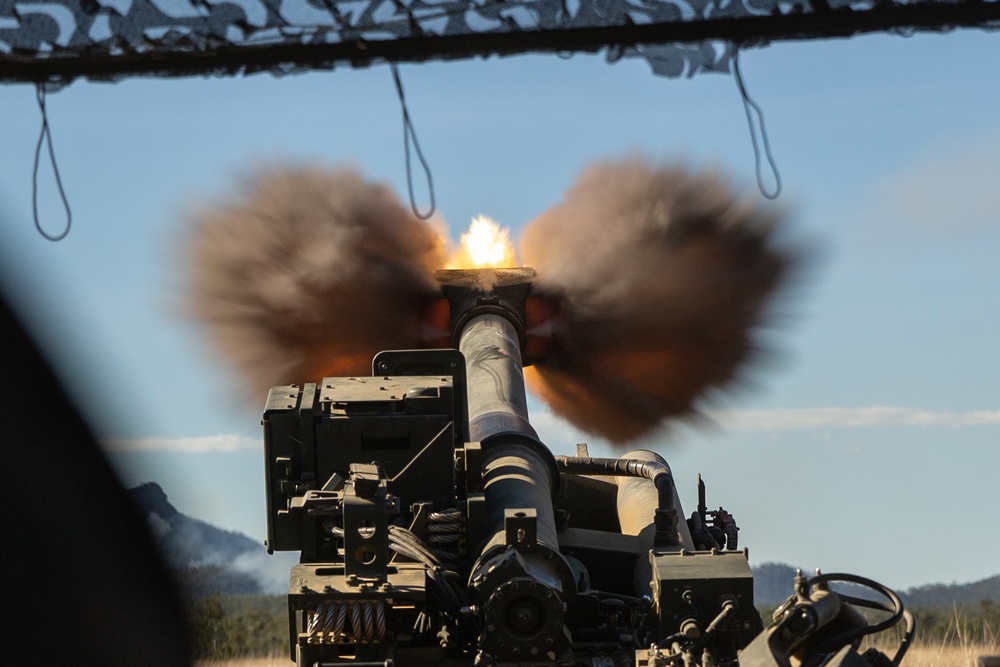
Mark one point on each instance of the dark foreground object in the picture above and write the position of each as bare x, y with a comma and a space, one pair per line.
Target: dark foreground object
82, 581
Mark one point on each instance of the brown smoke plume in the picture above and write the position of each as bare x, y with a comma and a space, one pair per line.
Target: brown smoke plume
310, 272
662, 275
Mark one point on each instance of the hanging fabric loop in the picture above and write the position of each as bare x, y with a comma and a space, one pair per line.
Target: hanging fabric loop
750, 106
410, 134
45, 136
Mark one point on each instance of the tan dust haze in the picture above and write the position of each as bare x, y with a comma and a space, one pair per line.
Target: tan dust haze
662, 274
662, 277
307, 272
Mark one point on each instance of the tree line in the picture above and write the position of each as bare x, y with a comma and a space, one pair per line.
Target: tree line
237, 626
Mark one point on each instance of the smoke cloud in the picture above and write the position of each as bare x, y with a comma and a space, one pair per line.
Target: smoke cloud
308, 272
662, 276
660, 279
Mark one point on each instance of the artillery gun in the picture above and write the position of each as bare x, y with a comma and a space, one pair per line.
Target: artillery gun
435, 526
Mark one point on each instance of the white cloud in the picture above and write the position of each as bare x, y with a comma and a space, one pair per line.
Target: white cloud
554, 430
950, 188
783, 419
544, 421
208, 443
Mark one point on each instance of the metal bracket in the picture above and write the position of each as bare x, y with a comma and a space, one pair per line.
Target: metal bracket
366, 530
521, 528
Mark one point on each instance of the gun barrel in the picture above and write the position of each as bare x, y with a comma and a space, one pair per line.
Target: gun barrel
497, 400
516, 473
520, 574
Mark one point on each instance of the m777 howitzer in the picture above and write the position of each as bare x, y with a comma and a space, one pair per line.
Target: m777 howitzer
436, 527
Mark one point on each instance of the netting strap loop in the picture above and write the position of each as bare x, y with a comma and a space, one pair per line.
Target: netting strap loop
749, 104
43, 136
410, 134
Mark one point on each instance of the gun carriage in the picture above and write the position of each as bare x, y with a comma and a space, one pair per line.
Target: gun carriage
434, 525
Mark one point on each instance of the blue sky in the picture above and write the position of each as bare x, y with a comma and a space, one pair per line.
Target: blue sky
871, 445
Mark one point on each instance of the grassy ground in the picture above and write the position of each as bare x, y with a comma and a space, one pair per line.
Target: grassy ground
954, 651
958, 646
944, 655
940, 655
277, 661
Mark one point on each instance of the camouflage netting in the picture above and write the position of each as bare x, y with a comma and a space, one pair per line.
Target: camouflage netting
56, 41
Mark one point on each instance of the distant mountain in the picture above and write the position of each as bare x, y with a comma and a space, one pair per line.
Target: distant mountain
772, 583
209, 559
945, 595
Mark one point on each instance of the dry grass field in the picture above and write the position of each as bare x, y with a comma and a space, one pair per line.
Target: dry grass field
955, 651
944, 655
959, 647
951, 654
276, 661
